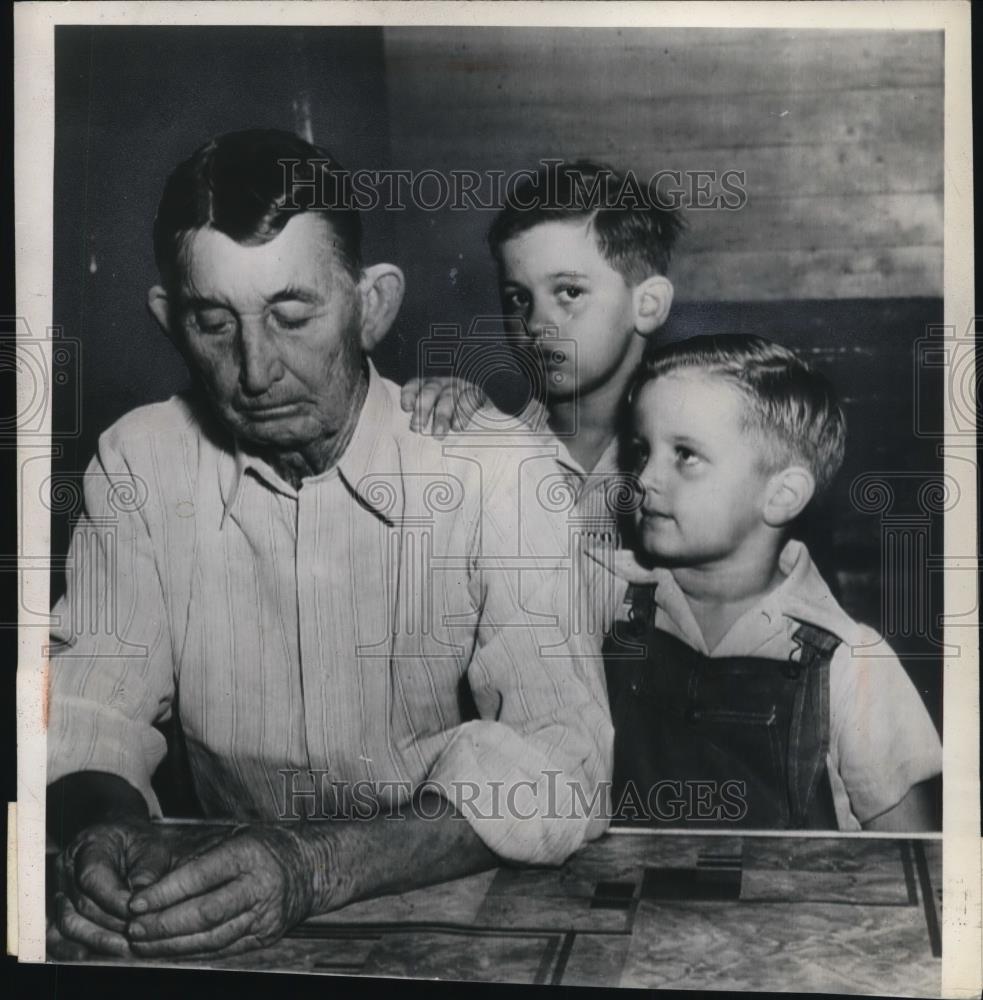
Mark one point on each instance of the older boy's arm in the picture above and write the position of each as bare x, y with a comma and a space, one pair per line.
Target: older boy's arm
914, 813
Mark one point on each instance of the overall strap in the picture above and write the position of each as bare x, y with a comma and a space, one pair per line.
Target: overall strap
815, 647
814, 644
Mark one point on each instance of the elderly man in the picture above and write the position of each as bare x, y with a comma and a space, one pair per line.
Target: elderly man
339, 612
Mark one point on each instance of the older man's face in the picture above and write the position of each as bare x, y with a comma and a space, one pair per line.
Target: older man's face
273, 331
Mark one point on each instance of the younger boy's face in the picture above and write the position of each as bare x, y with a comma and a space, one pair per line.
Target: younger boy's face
704, 484
554, 275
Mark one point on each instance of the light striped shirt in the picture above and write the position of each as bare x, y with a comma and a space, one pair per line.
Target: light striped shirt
396, 620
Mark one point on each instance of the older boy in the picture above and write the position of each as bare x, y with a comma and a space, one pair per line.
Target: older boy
580, 258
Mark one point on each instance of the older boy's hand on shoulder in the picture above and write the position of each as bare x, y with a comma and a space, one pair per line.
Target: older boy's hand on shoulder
443, 403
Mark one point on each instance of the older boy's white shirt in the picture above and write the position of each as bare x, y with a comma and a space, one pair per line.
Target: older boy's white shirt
586, 496
882, 740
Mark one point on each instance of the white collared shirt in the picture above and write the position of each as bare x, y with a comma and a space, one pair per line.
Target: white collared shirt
346, 629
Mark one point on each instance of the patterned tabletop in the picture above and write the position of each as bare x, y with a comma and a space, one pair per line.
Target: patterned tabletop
654, 909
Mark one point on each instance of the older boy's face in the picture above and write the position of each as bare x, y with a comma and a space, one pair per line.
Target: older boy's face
704, 485
555, 276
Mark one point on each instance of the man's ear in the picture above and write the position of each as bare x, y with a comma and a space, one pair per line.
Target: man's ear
160, 308
788, 492
381, 292
651, 301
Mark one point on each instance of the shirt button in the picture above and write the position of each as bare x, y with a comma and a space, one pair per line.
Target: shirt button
694, 714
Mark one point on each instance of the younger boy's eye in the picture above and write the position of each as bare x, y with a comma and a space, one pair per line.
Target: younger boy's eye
637, 455
686, 456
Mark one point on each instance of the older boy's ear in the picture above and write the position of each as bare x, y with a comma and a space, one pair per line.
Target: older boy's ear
651, 300
788, 493
381, 291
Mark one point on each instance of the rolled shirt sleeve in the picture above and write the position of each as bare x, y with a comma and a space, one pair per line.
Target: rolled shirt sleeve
883, 740
532, 775
111, 667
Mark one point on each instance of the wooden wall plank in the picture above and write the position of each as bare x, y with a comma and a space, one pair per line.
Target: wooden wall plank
665, 63
802, 274
872, 166
527, 130
852, 223
838, 134
855, 221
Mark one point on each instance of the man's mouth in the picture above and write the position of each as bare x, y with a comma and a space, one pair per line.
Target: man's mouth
270, 412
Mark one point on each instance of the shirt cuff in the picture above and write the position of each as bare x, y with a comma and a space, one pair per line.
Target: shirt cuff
83, 736
524, 805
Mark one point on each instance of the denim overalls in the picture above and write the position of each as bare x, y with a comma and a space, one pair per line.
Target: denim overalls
727, 741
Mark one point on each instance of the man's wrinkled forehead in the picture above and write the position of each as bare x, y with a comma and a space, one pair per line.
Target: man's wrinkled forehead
302, 257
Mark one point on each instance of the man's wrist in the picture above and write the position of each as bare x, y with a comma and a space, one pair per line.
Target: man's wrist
322, 871
345, 861
85, 798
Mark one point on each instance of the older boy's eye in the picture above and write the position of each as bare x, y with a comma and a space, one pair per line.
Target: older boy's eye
571, 291
515, 301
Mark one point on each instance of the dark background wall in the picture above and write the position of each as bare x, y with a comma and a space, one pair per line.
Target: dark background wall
837, 252
130, 104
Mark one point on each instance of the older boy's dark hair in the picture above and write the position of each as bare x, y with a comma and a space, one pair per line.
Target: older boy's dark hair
635, 233
790, 406
248, 185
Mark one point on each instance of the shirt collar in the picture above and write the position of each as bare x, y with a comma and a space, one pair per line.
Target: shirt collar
803, 596
369, 466
607, 464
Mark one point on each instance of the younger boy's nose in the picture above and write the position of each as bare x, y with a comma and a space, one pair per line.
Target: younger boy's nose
652, 482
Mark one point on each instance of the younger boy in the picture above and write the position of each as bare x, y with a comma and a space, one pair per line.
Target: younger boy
755, 688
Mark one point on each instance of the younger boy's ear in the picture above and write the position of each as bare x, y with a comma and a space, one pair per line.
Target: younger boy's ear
651, 300
381, 291
787, 495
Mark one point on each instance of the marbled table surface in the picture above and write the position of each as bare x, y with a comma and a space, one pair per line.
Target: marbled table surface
656, 909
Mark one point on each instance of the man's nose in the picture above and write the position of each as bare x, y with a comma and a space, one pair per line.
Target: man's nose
259, 364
